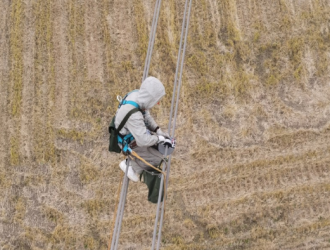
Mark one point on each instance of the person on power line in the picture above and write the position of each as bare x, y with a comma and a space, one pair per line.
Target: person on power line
141, 127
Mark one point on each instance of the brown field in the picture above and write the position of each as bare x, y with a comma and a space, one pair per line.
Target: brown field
252, 164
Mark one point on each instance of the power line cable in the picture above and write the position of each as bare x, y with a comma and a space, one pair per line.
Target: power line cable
185, 27
120, 210
151, 39
179, 68
124, 188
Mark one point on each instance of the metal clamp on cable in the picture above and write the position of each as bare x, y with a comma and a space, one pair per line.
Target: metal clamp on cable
168, 143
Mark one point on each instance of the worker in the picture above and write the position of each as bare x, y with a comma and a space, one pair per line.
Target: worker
142, 127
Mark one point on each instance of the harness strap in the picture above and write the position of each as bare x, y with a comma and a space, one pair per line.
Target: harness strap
121, 125
130, 102
123, 101
127, 139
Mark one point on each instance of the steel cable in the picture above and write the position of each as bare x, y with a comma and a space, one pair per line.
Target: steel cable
151, 39
185, 25
176, 90
122, 200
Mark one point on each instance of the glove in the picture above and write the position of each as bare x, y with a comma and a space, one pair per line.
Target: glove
165, 141
161, 139
160, 132
168, 143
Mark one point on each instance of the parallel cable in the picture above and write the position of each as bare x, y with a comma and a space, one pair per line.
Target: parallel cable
169, 123
151, 39
126, 182
181, 70
185, 25
115, 213
164, 179
116, 227
122, 200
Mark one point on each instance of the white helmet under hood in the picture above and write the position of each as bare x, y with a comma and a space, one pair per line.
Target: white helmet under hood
151, 91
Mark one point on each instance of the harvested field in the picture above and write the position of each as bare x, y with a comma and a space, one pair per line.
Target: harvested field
252, 164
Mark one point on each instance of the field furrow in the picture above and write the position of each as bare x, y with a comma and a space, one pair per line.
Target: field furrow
251, 167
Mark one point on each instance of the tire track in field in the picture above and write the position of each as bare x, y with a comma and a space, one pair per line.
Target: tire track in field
254, 168
4, 77
121, 30
28, 83
5, 175
15, 80
306, 166
93, 44
44, 81
62, 62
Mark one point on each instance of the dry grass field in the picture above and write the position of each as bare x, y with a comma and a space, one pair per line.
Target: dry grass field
252, 164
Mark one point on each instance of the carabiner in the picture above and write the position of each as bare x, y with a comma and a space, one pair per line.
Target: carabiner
119, 98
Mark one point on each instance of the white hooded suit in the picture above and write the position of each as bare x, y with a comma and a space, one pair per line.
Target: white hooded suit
140, 125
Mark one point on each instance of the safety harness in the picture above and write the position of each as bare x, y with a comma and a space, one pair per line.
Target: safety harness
125, 140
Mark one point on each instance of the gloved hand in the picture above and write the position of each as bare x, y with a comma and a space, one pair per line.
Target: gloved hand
161, 139
168, 143
165, 141
161, 132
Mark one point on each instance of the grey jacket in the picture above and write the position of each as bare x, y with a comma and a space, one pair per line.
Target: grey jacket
150, 92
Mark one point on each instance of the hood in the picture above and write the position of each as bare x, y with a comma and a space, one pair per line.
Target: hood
150, 92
